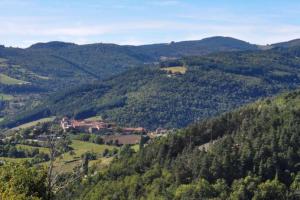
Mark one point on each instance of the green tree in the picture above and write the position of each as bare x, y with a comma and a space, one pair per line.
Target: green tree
295, 187
22, 182
244, 189
269, 190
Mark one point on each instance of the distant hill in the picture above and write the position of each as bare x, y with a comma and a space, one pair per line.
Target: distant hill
197, 47
54, 66
70, 64
54, 45
292, 43
152, 97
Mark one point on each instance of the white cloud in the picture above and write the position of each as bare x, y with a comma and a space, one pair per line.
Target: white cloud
255, 29
77, 30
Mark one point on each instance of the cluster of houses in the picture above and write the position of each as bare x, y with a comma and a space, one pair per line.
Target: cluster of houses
85, 125
97, 126
110, 133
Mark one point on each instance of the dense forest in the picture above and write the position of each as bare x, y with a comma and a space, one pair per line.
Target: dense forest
253, 153
55, 65
152, 97
44, 68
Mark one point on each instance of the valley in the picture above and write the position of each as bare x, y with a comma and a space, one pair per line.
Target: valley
169, 121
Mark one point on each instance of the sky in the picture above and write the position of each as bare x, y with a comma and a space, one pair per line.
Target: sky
136, 22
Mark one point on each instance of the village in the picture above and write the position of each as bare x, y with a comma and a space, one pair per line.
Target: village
110, 132
99, 138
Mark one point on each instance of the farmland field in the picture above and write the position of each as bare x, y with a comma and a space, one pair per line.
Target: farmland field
23, 147
41, 149
34, 123
15, 160
66, 162
95, 118
4, 79
178, 69
81, 147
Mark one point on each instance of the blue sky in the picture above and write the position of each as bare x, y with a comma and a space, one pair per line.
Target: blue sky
24, 22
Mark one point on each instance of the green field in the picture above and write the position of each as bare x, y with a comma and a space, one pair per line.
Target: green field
34, 123
22, 146
65, 164
15, 160
178, 69
4, 79
41, 149
6, 97
95, 118
81, 147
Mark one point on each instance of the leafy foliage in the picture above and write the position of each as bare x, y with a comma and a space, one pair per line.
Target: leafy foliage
22, 182
151, 97
255, 155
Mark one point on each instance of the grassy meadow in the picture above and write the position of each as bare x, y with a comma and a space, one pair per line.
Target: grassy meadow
178, 69
34, 123
4, 79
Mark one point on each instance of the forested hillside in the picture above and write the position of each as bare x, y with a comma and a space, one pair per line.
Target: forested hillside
49, 65
35, 72
155, 96
255, 155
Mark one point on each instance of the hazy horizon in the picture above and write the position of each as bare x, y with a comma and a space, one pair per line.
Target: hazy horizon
134, 22
145, 43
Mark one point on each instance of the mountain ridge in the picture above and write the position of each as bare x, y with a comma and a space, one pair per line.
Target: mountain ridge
54, 67
66, 44
294, 42
153, 97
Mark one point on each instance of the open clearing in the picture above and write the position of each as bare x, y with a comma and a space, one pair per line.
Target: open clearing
173, 70
4, 79
66, 162
81, 147
41, 149
15, 160
95, 118
34, 123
